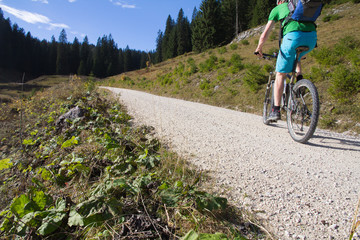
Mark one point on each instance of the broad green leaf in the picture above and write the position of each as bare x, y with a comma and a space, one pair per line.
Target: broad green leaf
41, 199
75, 219
191, 235
7, 224
208, 201
60, 204
28, 142
216, 236
71, 142
38, 183
163, 186
170, 197
5, 164
28, 169
34, 132
179, 184
30, 219
18, 206
3, 213
45, 174
51, 223
94, 211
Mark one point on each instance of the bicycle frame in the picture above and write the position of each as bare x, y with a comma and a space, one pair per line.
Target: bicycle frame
288, 87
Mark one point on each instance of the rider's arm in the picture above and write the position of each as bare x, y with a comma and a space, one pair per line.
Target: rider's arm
264, 36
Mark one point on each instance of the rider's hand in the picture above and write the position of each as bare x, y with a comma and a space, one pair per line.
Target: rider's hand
258, 52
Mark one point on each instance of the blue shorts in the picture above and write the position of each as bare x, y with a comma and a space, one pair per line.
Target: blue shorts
287, 53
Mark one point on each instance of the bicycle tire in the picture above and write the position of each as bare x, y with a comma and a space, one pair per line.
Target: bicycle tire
303, 111
268, 102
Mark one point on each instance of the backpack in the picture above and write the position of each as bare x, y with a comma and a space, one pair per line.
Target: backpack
304, 10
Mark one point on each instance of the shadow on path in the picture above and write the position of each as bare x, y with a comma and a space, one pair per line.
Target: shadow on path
336, 143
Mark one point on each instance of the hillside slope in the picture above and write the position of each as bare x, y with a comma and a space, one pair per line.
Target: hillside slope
232, 77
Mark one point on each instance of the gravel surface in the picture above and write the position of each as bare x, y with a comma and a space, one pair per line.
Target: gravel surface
303, 191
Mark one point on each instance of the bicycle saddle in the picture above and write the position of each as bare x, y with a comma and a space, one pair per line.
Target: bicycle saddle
302, 49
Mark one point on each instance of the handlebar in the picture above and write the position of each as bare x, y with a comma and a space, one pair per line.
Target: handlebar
267, 56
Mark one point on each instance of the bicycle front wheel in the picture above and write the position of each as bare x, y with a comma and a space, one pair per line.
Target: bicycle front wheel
303, 111
268, 102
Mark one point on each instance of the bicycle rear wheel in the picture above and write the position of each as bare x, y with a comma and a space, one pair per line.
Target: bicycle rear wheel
303, 111
268, 102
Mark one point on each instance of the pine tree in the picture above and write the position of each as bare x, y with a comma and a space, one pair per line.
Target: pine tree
111, 57
120, 61
159, 45
74, 57
52, 56
62, 61
234, 14
5, 41
167, 45
99, 67
183, 34
206, 31
260, 12
127, 59
85, 66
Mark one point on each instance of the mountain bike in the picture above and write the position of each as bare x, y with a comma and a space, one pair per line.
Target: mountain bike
300, 100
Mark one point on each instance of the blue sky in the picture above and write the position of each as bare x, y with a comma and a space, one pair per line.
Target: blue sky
133, 23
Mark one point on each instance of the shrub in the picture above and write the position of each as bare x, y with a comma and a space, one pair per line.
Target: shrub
318, 74
233, 46
191, 68
254, 77
221, 75
236, 64
330, 18
233, 92
327, 121
204, 84
206, 87
345, 51
179, 70
346, 45
344, 83
209, 64
222, 50
268, 68
245, 42
354, 58
166, 79
326, 56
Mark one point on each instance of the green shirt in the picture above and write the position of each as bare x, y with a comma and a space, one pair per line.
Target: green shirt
282, 11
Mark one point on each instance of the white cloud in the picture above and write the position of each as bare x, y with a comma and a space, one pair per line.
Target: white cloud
78, 34
33, 18
71, 1
42, 1
122, 4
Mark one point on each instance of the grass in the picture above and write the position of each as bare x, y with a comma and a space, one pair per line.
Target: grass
13, 90
100, 177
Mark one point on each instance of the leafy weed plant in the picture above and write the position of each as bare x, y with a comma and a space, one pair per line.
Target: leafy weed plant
97, 176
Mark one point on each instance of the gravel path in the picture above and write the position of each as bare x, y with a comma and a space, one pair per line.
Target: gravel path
303, 191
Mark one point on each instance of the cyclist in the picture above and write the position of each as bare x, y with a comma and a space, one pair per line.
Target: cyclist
295, 34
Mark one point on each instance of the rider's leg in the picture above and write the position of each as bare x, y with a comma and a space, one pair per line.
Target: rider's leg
279, 88
298, 68
299, 75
